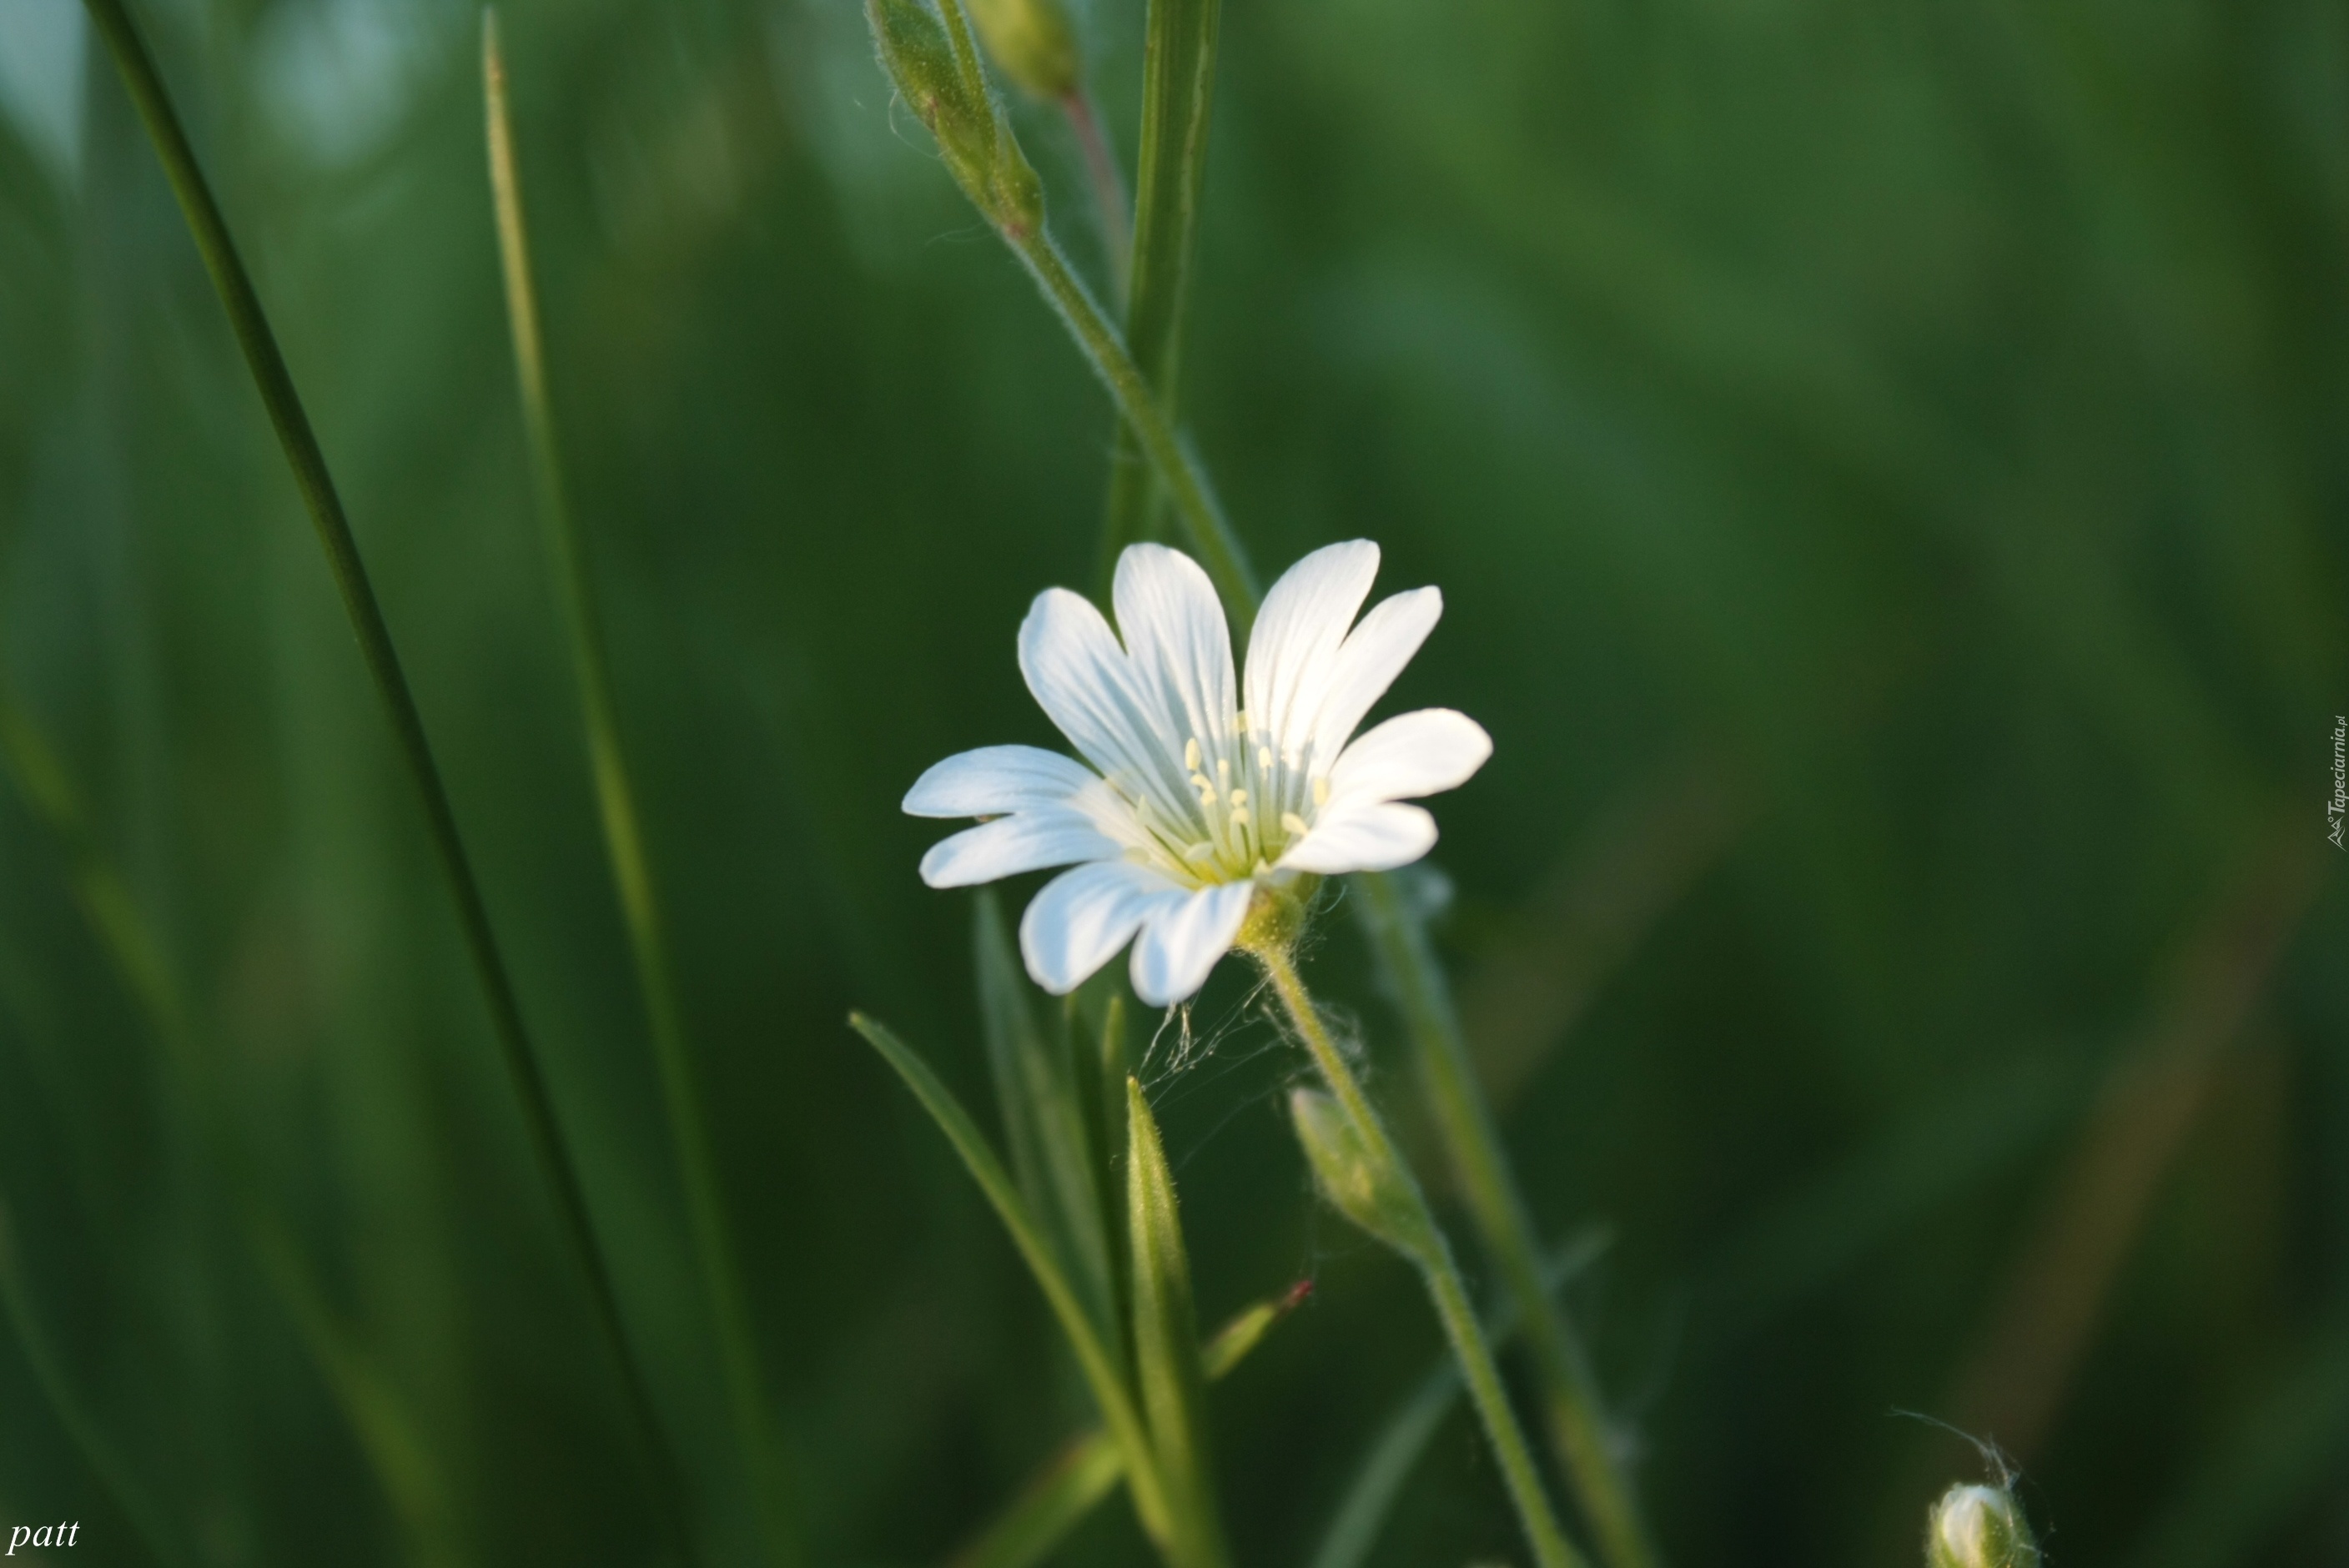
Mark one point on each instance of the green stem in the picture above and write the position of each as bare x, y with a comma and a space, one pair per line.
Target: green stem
1572, 1399
1186, 482
1177, 88
308, 463
1437, 1269
624, 846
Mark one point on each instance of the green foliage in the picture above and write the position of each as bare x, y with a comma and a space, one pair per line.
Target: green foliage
1922, 426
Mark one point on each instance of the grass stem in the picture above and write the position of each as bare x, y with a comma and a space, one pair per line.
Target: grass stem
624, 845
1178, 77
311, 475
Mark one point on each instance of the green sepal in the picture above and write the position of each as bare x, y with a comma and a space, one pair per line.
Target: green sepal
1368, 1191
944, 88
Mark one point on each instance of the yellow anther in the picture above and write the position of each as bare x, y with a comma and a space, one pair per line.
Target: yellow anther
1223, 772
1322, 791
1199, 782
1207, 794
1239, 817
1191, 754
1264, 757
1239, 796
1294, 825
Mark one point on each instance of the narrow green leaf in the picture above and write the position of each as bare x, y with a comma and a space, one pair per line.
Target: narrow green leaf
1044, 1093
1167, 1341
1100, 1367
1077, 1478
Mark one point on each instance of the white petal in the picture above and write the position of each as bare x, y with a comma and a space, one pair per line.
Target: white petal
1374, 654
1411, 755
1178, 646
995, 781
1292, 650
1082, 917
1362, 836
1050, 836
1181, 942
1081, 677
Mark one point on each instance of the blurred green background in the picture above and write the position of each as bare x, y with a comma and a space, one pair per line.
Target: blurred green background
1886, 467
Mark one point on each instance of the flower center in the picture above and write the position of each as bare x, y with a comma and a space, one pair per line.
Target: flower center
1248, 802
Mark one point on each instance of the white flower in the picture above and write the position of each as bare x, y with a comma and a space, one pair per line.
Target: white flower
1193, 800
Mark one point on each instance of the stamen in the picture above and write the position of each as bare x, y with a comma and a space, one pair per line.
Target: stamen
1264, 757
1199, 782
1191, 754
1294, 825
1240, 817
1223, 772
1322, 790
1239, 796
1207, 794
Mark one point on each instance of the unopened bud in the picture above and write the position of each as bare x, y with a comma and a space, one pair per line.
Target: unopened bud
1367, 1190
974, 140
1033, 43
1979, 1527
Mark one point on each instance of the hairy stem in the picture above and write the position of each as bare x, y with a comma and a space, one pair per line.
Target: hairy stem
1184, 480
1437, 1269
276, 385
1571, 1397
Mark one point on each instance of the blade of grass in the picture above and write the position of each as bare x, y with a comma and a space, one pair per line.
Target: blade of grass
624, 847
388, 1435
1073, 1482
308, 463
161, 1540
1362, 1512
1572, 1401
1044, 1114
1178, 77
1167, 1342
1100, 1367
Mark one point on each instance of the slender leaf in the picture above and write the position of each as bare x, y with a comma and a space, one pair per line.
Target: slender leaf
1094, 1356
1050, 1126
1167, 1341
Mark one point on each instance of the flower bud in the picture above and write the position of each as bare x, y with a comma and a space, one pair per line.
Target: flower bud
1979, 1527
1367, 1190
1033, 43
974, 140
